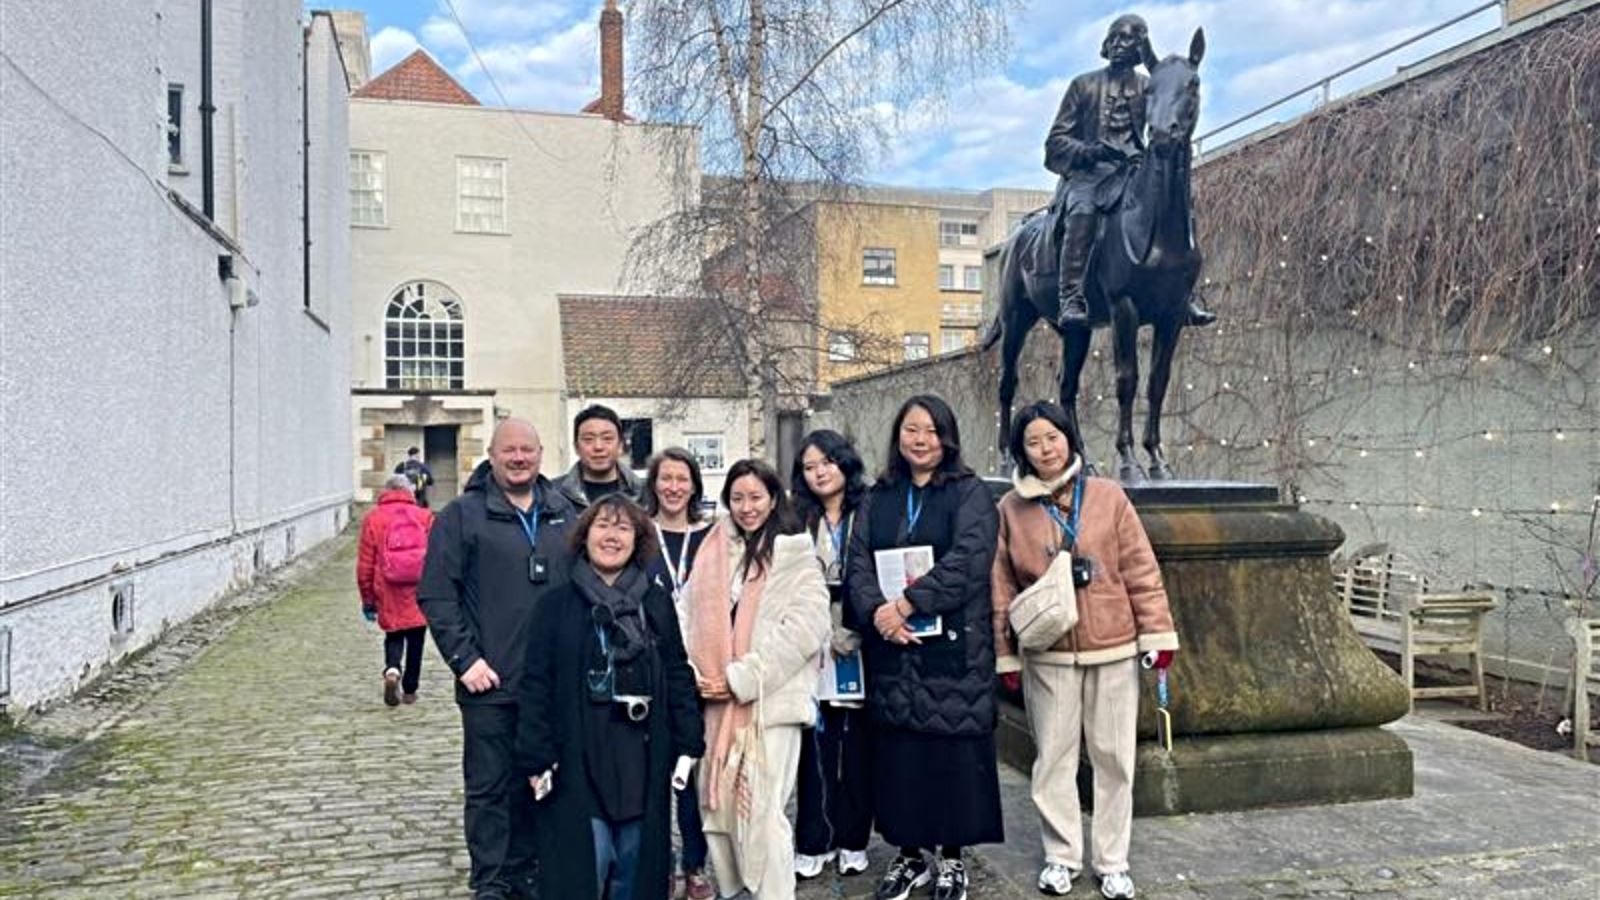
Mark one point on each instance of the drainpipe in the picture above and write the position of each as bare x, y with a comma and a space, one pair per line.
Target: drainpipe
305, 166
207, 109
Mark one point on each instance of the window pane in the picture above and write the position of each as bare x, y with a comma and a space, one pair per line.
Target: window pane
972, 278
947, 277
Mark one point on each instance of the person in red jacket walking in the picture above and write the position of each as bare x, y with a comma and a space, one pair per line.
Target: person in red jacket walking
394, 542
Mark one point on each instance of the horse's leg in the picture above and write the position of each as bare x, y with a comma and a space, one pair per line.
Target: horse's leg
1167, 333
1018, 317
1074, 351
1125, 343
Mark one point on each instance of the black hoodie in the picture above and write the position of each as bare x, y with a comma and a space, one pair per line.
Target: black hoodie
475, 590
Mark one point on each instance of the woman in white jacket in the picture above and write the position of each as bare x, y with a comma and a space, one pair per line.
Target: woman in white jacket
756, 619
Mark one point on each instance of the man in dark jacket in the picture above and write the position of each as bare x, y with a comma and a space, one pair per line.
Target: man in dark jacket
417, 471
1094, 145
494, 552
597, 437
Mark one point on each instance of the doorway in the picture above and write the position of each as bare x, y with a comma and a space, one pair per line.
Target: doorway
439, 452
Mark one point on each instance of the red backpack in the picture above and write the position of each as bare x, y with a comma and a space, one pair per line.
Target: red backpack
405, 545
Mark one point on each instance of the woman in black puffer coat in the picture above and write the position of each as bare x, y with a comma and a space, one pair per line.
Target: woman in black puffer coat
935, 779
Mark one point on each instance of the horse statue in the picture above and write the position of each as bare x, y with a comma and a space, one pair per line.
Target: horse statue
1141, 273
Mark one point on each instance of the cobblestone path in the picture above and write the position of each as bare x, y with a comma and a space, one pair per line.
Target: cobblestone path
250, 756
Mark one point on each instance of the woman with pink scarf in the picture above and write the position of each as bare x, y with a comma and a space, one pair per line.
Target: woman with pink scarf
756, 619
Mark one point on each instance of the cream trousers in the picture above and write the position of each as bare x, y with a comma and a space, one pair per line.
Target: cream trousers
782, 745
1101, 704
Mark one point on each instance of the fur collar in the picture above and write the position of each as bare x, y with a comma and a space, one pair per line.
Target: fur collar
1031, 487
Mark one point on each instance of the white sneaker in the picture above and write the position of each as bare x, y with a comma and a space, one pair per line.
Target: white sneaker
1056, 879
811, 866
1117, 886
852, 862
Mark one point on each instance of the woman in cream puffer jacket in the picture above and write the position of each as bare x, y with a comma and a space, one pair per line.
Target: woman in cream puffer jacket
756, 620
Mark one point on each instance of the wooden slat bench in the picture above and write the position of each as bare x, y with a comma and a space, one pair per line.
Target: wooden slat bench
1392, 609
1585, 667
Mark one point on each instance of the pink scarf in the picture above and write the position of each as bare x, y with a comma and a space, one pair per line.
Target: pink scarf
715, 640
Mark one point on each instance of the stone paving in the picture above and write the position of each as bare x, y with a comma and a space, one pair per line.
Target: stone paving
249, 756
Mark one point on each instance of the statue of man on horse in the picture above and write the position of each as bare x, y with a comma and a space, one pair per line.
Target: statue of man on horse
1096, 140
1123, 226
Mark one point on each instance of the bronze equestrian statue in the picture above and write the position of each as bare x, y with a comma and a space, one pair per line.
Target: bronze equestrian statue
1117, 245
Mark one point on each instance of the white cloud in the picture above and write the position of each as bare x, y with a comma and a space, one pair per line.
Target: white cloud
390, 45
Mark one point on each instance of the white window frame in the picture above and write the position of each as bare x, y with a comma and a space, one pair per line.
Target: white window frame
841, 348
952, 340
972, 278
958, 233
424, 314
915, 345
709, 449
369, 185
463, 198
868, 276
947, 277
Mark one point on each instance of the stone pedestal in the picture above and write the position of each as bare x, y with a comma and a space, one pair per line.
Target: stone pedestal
1274, 698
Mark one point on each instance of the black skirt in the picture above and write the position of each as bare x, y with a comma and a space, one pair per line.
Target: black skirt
934, 790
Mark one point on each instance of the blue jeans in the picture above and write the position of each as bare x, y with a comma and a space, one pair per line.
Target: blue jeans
616, 856
690, 827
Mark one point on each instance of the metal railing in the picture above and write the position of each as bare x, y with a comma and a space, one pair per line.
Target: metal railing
1323, 87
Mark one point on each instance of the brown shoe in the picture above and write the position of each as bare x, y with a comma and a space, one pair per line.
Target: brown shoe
408, 699
391, 687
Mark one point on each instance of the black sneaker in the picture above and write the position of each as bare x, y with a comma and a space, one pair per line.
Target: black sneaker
952, 881
904, 876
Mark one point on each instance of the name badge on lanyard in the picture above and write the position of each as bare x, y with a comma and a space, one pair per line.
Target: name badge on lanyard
538, 566
678, 573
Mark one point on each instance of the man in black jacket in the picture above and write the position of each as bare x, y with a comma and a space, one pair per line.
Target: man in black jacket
493, 553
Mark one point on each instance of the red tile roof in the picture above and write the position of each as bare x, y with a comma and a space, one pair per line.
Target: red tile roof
417, 77
642, 347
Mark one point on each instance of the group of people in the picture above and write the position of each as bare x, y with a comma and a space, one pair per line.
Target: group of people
617, 654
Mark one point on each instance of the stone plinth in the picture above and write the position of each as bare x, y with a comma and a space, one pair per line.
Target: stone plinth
1274, 698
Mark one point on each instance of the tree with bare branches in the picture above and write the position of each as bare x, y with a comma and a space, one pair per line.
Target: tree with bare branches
794, 100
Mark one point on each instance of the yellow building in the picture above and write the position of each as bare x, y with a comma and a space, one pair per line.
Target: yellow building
900, 273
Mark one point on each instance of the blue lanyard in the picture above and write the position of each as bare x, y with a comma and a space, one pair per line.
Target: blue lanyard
839, 534
530, 524
1069, 527
913, 509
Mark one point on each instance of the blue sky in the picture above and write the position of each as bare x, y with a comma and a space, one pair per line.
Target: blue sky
544, 55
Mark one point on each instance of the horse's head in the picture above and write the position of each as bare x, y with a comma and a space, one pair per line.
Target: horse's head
1172, 99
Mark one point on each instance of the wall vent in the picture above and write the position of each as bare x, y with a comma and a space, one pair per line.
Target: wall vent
258, 558
288, 543
122, 608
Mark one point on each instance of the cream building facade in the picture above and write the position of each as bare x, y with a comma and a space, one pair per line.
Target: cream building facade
467, 222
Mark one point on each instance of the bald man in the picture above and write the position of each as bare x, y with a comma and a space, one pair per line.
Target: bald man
492, 555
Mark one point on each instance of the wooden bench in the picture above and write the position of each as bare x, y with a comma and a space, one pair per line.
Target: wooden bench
1585, 667
1392, 609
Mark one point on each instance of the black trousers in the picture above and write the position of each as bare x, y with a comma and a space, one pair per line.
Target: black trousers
834, 807
499, 808
407, 642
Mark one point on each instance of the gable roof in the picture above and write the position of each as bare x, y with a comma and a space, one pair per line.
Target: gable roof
636, 347
417, 77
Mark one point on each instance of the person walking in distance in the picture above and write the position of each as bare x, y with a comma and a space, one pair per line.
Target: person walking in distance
833, 816
495, 552
417, 472
673, 489
394, 542
1084, 688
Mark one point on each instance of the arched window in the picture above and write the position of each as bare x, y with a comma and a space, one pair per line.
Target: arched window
422, 339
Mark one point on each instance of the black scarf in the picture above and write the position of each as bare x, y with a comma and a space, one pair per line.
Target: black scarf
619, 607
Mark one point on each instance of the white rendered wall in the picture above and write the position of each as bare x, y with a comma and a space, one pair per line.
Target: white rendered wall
145, 428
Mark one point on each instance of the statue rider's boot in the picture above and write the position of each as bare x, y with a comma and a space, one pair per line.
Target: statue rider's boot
1197, 315
1075, 246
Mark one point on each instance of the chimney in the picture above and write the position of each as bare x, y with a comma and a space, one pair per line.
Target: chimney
611, 63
